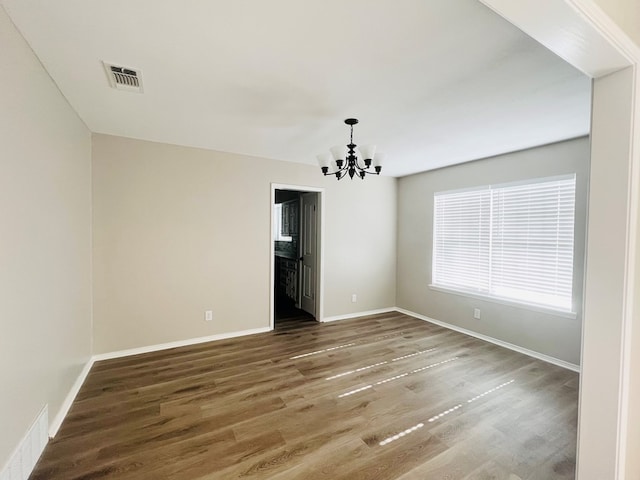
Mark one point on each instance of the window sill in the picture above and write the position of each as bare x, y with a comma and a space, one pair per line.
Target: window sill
511, 303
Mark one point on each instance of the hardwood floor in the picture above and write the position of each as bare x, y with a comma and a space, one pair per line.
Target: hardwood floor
380, 397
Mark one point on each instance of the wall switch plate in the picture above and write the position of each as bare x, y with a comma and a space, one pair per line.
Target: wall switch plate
208, 315
354, 298
476, 313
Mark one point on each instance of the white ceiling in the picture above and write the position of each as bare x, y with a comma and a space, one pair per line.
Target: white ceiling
433, 82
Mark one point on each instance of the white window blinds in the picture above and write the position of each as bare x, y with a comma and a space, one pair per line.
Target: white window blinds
512, 242
461, 240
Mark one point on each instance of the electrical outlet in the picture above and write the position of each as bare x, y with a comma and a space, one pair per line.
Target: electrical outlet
476, 313
354, 298
208, 315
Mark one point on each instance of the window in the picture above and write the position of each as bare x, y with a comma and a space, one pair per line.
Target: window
512, 242
278, 227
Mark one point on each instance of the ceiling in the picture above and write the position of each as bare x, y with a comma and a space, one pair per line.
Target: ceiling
433, 82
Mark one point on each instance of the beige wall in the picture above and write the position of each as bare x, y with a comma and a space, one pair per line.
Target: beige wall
181, 230
546, 333
45, 240
626, 13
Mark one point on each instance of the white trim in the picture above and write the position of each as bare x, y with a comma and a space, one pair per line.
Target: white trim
68, 400
320, 262
572, 29
320, 236
179, 343
630, 281
359, 314
606, 27
505, 301
73, 392
272, 260
24, 457
297, 188
516, 348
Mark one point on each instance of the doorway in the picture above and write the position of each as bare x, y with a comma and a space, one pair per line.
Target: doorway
296, 258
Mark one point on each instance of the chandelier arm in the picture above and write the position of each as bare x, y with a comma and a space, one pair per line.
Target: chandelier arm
359, 167
342, 169
346, 167
370, 173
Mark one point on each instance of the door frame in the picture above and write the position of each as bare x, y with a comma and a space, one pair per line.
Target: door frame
319, 246
583, 34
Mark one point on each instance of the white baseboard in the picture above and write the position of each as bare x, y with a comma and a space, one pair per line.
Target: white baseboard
358, 314
510, 346
28, 451
180, 343
73, 392
68, 400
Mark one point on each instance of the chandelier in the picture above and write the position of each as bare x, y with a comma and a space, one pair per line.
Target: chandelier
348, 160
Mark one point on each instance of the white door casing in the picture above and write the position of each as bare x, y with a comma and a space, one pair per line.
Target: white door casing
319, 276
308, 252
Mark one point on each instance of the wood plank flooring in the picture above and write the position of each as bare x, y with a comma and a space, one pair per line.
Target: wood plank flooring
379, 397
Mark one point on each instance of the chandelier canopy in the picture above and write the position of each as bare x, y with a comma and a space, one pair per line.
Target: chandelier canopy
349, 160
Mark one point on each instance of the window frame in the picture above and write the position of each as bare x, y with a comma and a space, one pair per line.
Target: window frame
278, 225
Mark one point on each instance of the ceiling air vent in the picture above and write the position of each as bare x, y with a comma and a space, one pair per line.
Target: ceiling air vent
124, 78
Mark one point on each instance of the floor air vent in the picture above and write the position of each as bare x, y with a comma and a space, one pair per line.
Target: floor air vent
124, 78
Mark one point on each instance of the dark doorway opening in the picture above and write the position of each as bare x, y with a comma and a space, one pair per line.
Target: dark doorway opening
291, 267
